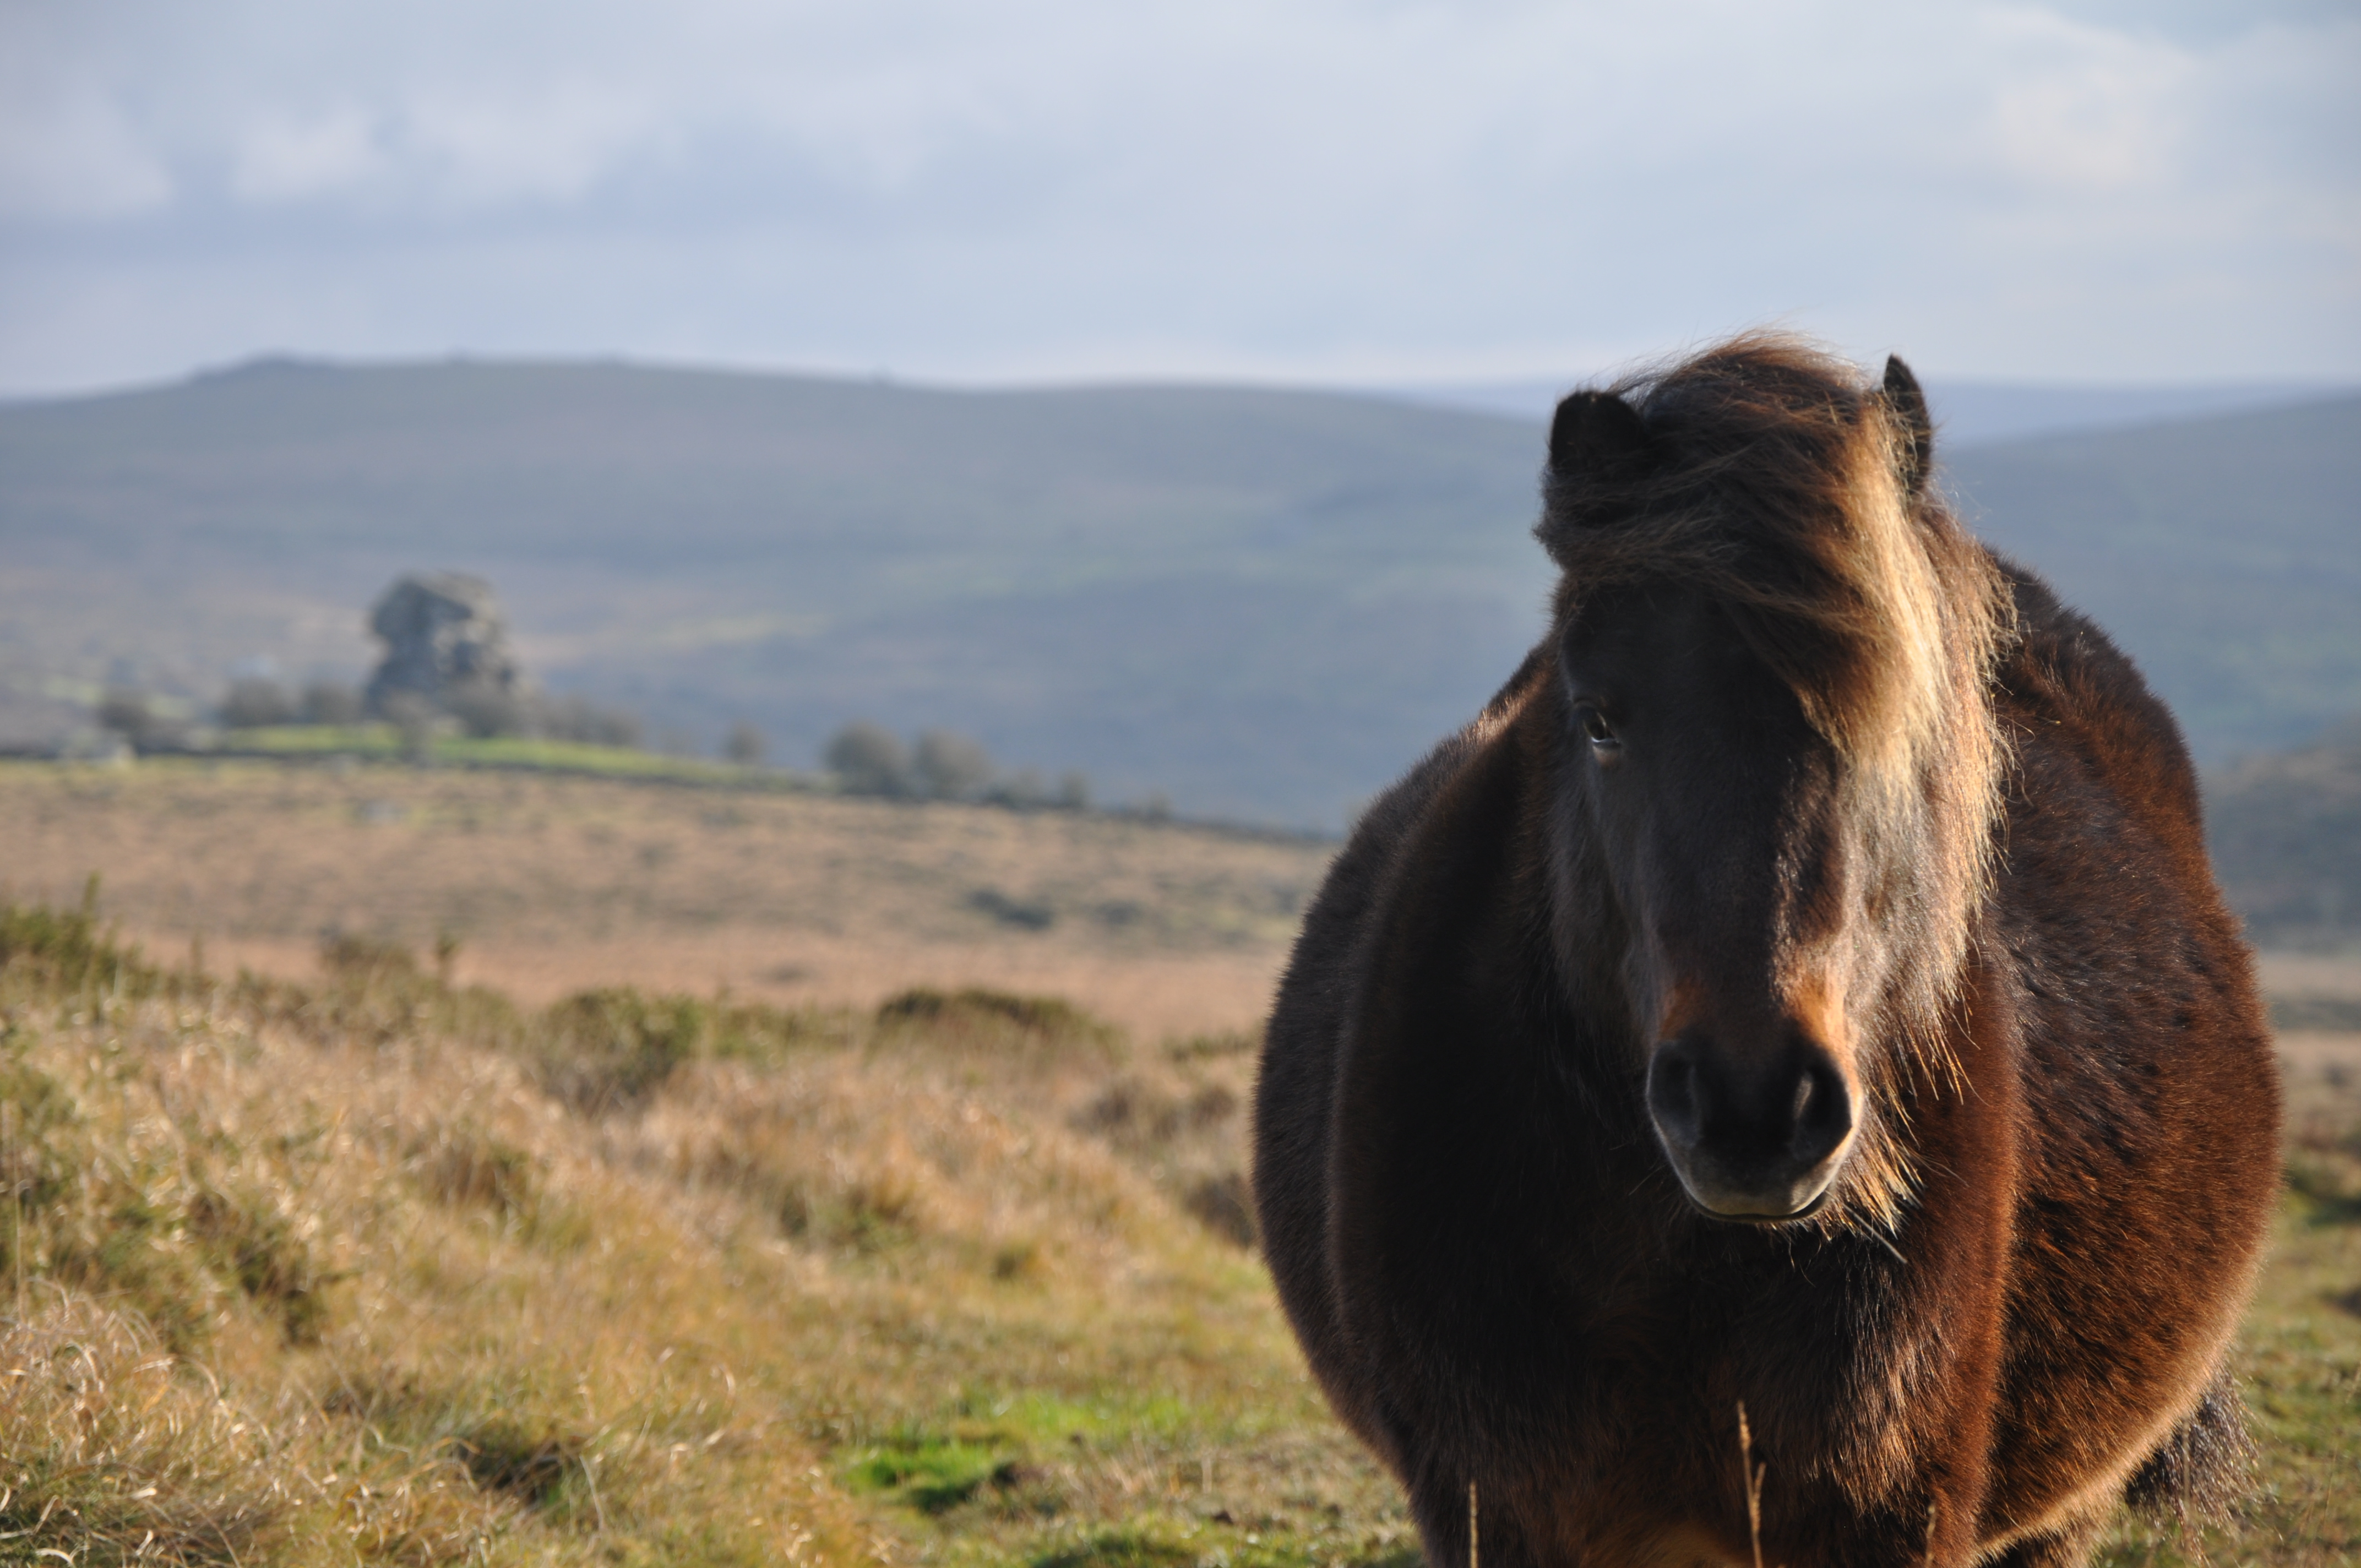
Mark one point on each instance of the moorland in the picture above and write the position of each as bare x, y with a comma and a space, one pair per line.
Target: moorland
539, 884
414, 1164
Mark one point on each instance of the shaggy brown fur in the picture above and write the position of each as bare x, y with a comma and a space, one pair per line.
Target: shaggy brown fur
1802, 985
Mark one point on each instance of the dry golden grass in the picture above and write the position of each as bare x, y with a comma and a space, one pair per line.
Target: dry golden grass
374, 1282
112, 1446
552, 884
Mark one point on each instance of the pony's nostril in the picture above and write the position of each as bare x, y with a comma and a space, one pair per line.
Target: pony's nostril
1823, 1115
1751, 1136
1676, 1095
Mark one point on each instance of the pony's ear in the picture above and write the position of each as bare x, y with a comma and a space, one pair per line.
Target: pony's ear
1907, 404
1598, 433
1599, 450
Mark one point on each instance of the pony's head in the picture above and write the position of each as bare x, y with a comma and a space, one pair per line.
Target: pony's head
1777, 763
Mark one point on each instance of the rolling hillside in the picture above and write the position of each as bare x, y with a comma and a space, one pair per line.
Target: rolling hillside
2286, 831
2224, 554
1261, 604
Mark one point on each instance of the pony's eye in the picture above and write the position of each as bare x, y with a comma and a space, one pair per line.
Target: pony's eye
1597, 730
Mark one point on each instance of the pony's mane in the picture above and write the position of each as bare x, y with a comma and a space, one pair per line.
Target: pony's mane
1778, 480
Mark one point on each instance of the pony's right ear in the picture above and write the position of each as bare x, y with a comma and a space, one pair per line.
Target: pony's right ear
1597, 434
1907, 404
1598, 453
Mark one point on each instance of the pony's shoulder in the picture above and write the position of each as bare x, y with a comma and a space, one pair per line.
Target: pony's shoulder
2065, 683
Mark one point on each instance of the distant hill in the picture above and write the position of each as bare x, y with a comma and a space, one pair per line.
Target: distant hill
2285, 832
1261, 604
1968, 413
2225, 554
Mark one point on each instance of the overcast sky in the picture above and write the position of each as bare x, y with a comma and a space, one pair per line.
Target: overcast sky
1311, 191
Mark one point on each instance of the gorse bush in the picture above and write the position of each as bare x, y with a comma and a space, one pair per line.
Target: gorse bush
612, 1048
331, 702
579, 718
745, 745
127, 713
355, 959
377, 991
867, 760
256, 701
485, 709
605, 1049
979, 1011
481, 709
950, 767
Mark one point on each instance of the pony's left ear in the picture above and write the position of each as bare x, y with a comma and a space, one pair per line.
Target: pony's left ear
1907, 404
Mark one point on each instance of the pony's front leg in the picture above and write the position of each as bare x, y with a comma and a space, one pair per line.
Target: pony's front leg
2070, 1545
1457, 1530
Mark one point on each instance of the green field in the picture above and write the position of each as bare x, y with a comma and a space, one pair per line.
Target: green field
384, 743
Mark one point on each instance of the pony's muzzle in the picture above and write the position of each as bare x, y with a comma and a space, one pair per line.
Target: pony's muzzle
1751, 1136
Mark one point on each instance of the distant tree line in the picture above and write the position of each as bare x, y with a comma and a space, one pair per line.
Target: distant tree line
141, 722
746, 745
868, 759
256, 702
480, 709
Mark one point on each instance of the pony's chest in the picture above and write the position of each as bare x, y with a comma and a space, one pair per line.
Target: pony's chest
1675, 1546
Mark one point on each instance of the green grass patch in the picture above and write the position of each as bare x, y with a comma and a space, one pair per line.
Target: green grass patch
317, 741
932, 1474
384, 742
1038, 1420
580, 757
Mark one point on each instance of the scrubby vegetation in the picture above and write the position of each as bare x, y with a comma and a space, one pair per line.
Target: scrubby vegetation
557, 882
477, 711
377, 1267
868, 759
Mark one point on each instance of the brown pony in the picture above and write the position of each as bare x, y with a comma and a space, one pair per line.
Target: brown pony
1802, 988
